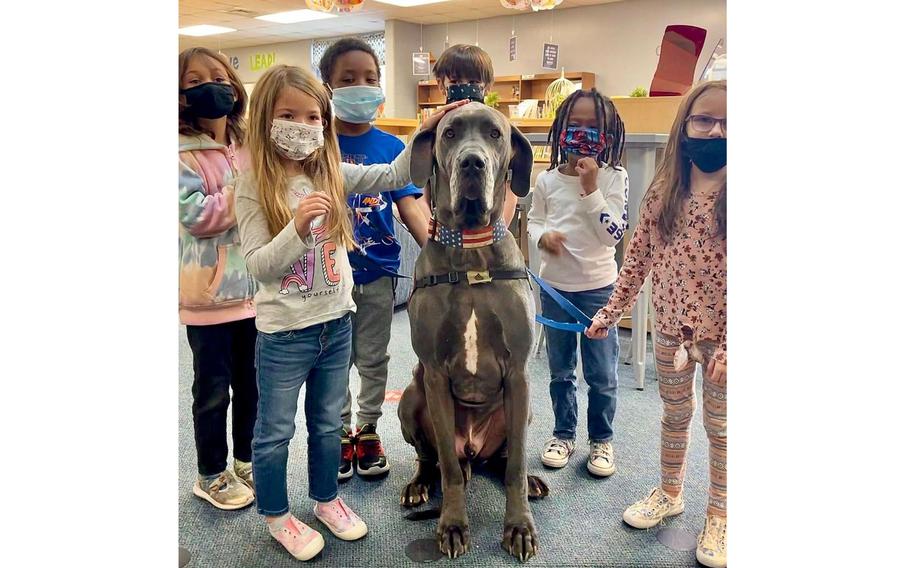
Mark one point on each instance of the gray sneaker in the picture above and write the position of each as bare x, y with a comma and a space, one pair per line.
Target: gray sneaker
224, 491
556, 453
244, 471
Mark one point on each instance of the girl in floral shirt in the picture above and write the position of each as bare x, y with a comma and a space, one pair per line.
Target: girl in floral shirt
681, 242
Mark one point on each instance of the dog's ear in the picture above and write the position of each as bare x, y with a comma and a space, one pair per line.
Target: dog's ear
521, 163
422, 157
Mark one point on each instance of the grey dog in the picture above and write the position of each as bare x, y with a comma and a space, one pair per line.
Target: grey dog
471, 317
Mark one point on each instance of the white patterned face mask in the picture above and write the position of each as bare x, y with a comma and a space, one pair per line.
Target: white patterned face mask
295, 140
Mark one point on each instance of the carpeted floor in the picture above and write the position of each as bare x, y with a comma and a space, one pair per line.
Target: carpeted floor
579, 524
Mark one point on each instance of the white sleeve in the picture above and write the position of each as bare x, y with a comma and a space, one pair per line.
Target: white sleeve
378, 177
537, 215
607, 209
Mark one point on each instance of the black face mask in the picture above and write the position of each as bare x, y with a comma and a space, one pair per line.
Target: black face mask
465, 91
209, 100
708, 154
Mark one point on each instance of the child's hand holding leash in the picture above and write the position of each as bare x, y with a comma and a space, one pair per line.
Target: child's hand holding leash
599, 328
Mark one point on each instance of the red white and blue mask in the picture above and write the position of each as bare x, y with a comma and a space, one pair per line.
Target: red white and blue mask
582, 141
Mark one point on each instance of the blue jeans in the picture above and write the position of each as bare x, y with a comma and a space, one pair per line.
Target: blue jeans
317, 356
599, 361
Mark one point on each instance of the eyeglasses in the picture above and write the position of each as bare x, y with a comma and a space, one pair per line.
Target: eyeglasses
704, 124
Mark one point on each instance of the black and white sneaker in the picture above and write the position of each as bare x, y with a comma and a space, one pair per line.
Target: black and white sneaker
371, 458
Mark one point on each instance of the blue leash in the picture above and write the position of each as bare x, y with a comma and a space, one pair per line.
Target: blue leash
582, 322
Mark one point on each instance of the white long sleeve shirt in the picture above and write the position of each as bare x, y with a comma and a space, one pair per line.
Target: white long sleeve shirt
593, 224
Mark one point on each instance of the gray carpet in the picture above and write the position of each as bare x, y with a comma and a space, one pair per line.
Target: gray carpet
579, 524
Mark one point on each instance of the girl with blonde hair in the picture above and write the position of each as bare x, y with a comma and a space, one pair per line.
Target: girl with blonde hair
295, 233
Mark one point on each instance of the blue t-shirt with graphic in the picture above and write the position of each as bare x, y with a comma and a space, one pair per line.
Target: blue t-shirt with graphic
373, 222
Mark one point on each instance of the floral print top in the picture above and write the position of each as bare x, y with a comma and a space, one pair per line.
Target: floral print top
689, 274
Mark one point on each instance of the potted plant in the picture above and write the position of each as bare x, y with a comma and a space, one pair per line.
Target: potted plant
491, 99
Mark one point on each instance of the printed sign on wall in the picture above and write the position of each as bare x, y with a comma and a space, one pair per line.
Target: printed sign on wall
259, 61
550, 56
235, 62
421, 63
513, 48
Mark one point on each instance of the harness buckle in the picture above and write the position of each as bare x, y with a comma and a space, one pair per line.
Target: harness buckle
453, 277
479, 277
433, 280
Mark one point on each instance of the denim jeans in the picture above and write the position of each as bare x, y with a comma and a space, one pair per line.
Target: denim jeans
318, 357
599, 361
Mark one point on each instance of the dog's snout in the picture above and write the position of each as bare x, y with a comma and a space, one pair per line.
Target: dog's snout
472, 163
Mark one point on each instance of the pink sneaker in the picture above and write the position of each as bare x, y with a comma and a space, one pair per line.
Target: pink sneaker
340, 519
300, 540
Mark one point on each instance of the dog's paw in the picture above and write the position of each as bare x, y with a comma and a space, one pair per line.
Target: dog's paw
415, 493
520, 540
537, 488
454, 539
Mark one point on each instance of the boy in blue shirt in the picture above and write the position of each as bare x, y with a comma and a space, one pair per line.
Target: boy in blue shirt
350, 69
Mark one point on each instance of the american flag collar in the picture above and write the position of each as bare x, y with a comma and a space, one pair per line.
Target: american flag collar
468, 238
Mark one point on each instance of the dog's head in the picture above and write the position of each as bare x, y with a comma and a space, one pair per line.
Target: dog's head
472, 152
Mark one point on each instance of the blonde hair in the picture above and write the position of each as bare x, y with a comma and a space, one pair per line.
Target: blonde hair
189, 124
323, 166
672, 183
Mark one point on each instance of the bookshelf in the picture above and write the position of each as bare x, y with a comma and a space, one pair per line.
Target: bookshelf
512, 90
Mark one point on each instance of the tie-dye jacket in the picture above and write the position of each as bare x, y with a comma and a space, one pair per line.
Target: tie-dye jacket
215, 286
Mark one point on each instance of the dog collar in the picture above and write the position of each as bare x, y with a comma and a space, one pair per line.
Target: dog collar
468, 238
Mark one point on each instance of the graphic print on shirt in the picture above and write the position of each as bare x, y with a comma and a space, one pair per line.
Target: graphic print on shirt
614, 228
303, 271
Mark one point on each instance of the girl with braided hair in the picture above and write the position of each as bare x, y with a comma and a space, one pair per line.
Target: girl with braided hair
578, 215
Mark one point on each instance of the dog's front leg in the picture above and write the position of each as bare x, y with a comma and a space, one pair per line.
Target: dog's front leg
519, 536
452, 532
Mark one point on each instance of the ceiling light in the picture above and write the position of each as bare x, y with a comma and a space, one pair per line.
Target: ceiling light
410, 3
204, 30
295, 16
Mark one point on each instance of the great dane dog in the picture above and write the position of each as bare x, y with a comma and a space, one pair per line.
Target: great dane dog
471, 317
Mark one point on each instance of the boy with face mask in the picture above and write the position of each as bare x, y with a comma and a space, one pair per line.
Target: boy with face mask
466, 72
350, 70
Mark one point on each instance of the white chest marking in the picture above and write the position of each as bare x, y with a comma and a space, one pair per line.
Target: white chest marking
470, 344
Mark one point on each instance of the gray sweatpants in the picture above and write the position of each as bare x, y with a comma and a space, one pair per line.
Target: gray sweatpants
369, 348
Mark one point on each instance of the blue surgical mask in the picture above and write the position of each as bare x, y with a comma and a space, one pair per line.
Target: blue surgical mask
357, 104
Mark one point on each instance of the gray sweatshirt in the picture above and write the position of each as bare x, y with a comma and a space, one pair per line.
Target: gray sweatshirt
304, 282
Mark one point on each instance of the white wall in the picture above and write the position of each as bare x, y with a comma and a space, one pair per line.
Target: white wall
291, 53
616, 41
401, 40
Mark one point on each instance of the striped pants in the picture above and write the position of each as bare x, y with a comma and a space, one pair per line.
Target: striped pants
677, 390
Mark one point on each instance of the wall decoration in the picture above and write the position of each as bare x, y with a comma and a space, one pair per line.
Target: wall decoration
535, 5
339, 5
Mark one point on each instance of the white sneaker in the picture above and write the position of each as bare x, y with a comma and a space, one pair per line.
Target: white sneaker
556, 453
712, 543
652, 509
600, 461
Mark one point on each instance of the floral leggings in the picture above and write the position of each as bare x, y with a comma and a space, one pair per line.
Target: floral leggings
677, 390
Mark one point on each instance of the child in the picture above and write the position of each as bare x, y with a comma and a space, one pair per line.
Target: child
681, 242
350, 69
465, 72
578, 214
295, 235
216, 292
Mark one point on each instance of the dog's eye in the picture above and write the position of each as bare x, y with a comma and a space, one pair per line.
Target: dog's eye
449, 133
495, 133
